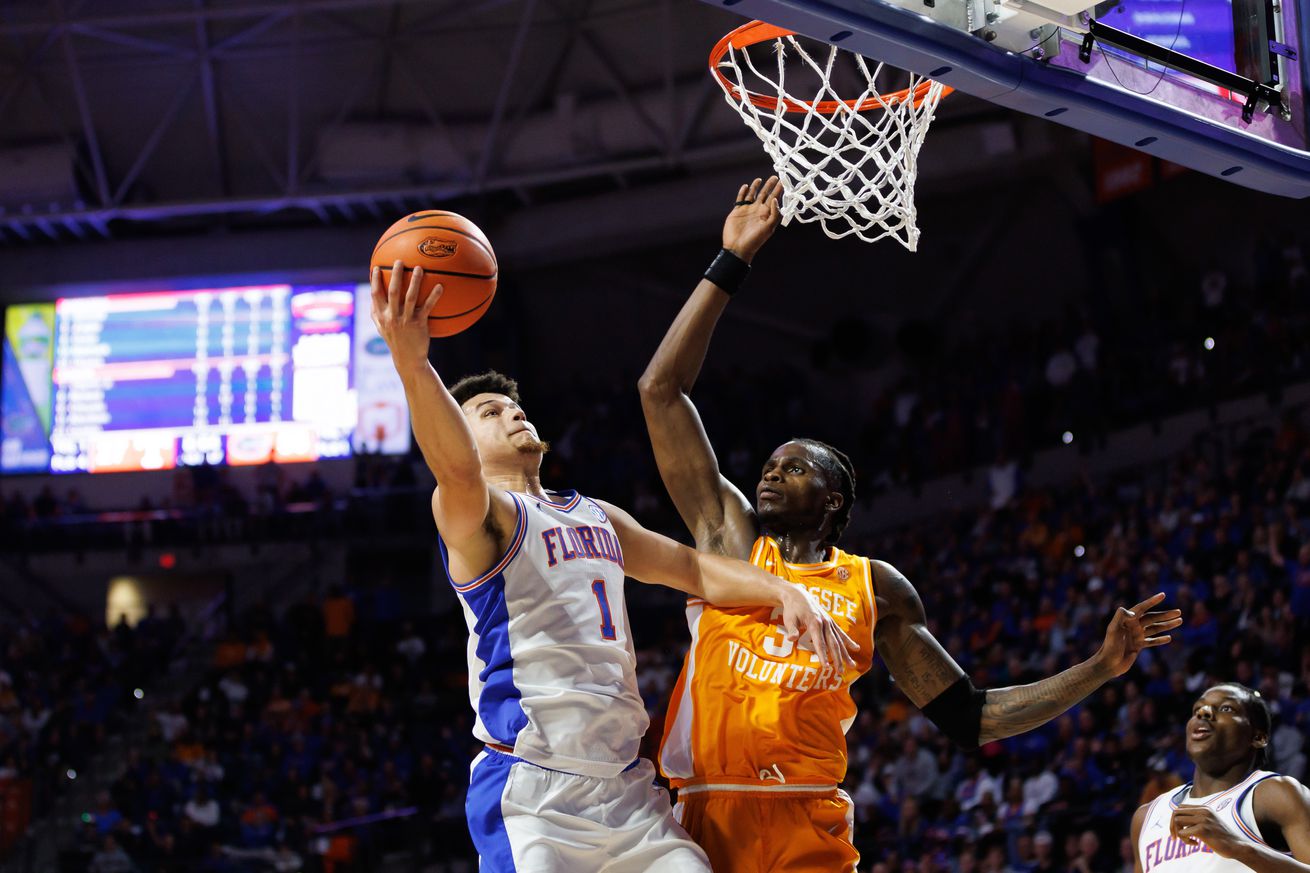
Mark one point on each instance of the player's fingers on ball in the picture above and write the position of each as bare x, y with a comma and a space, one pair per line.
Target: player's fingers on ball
433, 296
413, 300
395, 290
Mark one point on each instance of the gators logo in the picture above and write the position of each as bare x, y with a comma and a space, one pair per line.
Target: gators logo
438, 248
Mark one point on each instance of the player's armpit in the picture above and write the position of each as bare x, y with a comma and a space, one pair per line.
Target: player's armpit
476, 532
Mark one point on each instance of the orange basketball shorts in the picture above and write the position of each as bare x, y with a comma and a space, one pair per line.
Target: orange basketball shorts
747, 832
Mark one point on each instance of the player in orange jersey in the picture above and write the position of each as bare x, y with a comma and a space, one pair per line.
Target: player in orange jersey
754, 740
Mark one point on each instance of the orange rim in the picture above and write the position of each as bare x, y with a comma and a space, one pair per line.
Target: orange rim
756, 32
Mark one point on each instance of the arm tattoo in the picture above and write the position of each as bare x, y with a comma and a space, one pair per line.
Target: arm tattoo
916, 660
924, 669
1020, 708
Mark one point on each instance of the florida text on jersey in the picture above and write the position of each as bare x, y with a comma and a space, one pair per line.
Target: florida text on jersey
552, 673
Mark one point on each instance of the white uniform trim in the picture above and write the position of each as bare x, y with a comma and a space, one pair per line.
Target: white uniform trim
1235, 810
703, 787
677, 757
552, 672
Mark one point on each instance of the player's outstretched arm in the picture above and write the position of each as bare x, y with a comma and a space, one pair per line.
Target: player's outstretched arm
656, 559
462, 501
1281, 802
969, 716
716, 513
1020, 708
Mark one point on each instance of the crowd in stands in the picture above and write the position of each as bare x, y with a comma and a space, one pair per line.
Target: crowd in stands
321, 738
340, 729
1025, 590
937, 406
336, 728
66, 684
206, 506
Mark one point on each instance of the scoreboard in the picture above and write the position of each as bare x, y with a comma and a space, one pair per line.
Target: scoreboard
238, 375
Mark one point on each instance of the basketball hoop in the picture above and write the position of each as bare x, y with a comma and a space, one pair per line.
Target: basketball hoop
849, 164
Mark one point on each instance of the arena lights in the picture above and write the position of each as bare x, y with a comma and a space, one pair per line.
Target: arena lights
71, 774
1209, 344
138, 693
1079, 551
1066, 437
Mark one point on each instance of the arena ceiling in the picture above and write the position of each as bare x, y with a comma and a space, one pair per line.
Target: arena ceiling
145, 117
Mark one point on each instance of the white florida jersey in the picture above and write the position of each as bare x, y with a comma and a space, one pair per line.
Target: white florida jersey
552, 673
1157, 849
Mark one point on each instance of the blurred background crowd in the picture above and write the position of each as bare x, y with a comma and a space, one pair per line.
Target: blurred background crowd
328, 728
326, 732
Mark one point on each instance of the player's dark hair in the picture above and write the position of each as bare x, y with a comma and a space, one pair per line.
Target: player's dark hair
840, 473
490, 382
1258, 714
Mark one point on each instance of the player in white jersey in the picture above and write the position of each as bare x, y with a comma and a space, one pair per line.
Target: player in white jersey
1232, 816
552, 674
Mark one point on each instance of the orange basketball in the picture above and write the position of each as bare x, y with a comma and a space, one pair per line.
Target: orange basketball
453, 253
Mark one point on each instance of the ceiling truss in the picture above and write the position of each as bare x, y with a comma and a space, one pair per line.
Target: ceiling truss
201, 138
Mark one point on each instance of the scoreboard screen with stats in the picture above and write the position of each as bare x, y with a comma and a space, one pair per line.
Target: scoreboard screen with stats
162, 379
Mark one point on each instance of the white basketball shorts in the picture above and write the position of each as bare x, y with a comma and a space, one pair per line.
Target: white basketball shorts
527, 819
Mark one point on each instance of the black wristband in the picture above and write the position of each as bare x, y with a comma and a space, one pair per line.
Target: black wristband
728, 271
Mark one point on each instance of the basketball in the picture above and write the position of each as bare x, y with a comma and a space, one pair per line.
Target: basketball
454, 253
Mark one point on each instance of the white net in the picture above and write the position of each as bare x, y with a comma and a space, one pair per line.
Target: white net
848, 163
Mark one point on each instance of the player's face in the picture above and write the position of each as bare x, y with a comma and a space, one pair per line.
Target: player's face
500, 426
1219, 734
793, 490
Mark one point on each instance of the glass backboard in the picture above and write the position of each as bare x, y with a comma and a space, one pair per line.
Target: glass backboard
1174, 78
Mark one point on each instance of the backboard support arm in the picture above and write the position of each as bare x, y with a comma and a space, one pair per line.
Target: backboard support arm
1267, 93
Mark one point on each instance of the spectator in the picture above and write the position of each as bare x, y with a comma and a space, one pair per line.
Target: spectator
203, 810
916, 771
338, 615
111, 858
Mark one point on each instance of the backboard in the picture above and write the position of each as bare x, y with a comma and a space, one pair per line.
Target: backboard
1214, 85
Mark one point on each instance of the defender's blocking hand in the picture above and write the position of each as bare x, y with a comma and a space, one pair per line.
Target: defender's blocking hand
754, 217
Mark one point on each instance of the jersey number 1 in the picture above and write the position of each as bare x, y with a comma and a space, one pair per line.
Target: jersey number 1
602, 600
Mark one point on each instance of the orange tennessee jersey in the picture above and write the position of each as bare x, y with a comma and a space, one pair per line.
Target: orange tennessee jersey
754, 709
